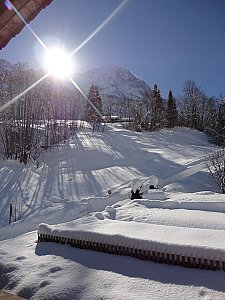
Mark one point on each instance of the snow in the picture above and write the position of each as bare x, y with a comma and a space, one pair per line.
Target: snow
153, 180
67, 194
202, 243
113, 81
136, 184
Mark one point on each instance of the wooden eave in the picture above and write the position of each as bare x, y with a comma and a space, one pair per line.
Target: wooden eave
11, 24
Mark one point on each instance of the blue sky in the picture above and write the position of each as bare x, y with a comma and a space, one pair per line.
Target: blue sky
161, 41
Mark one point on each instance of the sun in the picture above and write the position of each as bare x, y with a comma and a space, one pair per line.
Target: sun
58, 63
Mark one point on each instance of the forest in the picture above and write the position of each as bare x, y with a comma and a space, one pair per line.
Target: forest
36, 117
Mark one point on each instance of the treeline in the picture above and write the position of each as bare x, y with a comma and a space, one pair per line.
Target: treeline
39, 116
193, 109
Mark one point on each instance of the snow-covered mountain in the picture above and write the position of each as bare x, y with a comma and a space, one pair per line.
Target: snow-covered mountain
113, 82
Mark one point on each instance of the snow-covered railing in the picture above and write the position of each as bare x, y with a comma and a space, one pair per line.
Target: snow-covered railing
212, 206
188, 247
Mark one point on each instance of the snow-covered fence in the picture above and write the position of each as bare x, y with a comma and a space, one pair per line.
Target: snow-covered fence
188, 247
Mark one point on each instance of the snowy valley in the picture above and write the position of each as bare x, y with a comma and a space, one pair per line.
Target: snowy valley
70, 186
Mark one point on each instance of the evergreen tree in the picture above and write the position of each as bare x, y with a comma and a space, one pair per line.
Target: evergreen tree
171, 111
157, 109
93, 107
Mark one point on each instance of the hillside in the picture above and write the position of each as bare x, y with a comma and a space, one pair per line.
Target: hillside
71, 183
92, 163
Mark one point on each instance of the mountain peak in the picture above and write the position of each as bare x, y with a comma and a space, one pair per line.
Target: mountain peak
113, 81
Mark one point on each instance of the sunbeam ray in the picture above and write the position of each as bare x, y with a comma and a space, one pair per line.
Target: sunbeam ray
100, 27
28, 26
83, 94
23, 93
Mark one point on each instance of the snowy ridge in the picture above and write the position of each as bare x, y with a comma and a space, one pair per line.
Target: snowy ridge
195, 205
113, 82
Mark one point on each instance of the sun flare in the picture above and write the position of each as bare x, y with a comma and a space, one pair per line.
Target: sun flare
58, 63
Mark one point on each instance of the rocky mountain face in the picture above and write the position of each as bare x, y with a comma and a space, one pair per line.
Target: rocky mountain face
113, 82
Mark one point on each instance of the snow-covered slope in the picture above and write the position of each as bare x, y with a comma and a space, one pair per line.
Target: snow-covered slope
71, 183
113, 81
92, 163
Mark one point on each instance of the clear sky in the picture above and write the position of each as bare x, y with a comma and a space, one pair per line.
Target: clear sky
161, 41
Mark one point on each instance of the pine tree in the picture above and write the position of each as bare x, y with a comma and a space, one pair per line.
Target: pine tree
171, 111
157, 109
93, 107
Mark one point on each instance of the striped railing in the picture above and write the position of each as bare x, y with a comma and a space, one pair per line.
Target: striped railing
167, 258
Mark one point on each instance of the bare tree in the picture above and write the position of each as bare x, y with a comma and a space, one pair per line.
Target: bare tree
194, 105
215, 163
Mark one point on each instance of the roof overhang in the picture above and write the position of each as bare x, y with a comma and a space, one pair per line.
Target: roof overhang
11, 24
